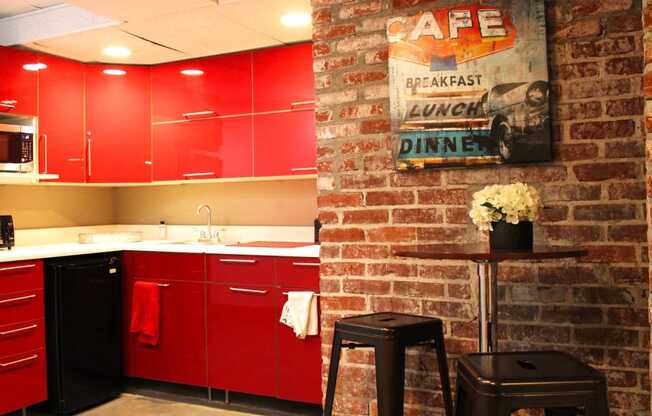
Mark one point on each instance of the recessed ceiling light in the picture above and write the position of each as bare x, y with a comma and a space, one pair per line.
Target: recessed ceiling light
34, 67
192, 72
296, 19
114, 72
117, 51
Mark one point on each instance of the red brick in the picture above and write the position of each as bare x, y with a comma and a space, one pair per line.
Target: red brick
539, 174
321, 49
362, 181
448, 309
628, 317
595, 172
328, 217
579, 29
606, 336
369, 216
391, 234
598, 88
635, 191
333, 31
624, 23
390, 198
341, 234
343, 303
554, 213
442, 197
567, 275
611, 254
360, 9
418, 289
374, 126
578, 70
401, 305
583, 8
408, 3
417, 216
631, 233
599, 130
624, 66
571, 314
413, 179
605, 47
442, 234
358, 78
457, 216
378, 162
365, 251
331, 64
625, 107
342, 269
320, 16
367, 286
573, 233
392, 269
625, 149
352, 199
604, 212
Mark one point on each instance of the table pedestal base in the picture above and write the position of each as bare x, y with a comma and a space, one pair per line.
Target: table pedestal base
488, 306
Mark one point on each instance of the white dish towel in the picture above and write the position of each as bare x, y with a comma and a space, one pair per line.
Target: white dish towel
300, 314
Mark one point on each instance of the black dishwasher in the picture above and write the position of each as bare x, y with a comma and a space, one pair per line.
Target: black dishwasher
83, 301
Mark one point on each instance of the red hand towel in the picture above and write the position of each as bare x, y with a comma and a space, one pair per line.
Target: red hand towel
146, 312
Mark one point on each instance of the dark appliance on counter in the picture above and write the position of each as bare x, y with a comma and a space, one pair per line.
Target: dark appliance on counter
7, 237
83, 302
16, 148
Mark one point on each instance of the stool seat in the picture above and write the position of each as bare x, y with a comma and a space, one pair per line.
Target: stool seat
407, 328
389, 333
496, 384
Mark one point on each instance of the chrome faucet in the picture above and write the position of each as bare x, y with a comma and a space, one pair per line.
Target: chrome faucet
207, 234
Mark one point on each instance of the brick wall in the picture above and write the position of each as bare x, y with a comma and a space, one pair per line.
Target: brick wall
647, 93
594, 194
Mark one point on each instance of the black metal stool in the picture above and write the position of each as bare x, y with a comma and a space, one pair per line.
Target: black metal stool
498, 384
389, 334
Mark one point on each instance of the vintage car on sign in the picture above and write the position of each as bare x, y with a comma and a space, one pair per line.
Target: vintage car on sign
519, 112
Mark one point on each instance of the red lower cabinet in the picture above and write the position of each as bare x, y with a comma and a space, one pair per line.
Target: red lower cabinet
242, 338
180, 356
23, 380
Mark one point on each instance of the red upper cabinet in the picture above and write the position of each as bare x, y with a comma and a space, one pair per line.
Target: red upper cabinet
18, 86
285, 143
222, 88
61, 118
283, 78
203, 149
118, 124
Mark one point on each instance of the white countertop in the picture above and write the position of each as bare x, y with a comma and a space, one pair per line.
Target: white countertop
74, 249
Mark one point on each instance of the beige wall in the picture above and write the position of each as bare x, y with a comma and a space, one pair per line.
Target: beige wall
253, 203
49, 206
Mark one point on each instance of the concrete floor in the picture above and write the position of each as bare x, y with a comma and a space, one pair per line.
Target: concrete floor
131, 404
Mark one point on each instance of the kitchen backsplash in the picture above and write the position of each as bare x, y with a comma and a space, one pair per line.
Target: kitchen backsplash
273, 203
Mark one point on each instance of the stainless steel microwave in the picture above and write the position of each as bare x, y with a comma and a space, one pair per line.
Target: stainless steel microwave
16, 148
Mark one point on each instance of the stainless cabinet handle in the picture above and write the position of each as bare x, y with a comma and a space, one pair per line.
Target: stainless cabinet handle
24, 360
26, 266
298, 103
199, 114
148, 162
237, 261
252, 291
306, 264
18, 330
75, 159
164, 285
8, 103
90, 155
45, 151
303, 169
12, 300
194, 175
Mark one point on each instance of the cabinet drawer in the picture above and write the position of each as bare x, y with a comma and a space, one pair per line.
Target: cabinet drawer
169, 266
21, 337
250, 270
21, 307
298, 272
20, 276
22, 380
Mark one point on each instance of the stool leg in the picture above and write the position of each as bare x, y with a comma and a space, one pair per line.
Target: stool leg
444, 375
332, 374
462, 407
390, 378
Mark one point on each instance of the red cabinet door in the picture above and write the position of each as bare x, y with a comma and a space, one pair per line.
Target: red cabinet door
242, 338
285, 143
283, 78
61, 119
299, 361
118, 124
18, 86
180, 356
203, 149
23, 380
224, 88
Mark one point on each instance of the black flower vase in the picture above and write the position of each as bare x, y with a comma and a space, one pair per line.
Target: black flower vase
506, 236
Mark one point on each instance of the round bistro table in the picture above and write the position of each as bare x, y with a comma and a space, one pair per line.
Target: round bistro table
487, 261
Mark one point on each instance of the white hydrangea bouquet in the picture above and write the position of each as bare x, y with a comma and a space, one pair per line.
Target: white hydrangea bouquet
509, 203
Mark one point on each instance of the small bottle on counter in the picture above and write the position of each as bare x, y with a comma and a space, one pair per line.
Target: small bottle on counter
163, 231
317, 229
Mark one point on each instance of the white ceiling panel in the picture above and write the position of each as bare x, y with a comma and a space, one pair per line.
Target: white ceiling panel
135, 10
88, 47
14, 7
200, 32
265, 17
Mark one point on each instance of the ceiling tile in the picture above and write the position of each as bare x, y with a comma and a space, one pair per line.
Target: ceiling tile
133, 10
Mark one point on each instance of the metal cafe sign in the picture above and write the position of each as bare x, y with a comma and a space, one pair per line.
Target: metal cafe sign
469, 84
